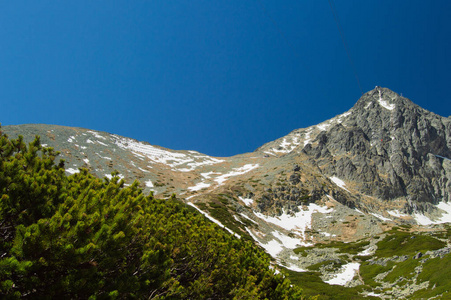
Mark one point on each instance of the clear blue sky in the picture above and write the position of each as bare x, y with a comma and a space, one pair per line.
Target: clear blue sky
221, 77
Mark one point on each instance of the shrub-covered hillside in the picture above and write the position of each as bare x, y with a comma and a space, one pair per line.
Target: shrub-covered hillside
83, 237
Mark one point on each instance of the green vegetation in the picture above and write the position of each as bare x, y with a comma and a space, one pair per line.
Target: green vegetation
329, 264
405, 243
82, 237
438, 272
350, 248
312, 284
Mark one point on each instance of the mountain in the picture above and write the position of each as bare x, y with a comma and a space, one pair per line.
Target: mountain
384, 163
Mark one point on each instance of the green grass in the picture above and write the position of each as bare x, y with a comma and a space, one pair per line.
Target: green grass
405, 269
351, 248
302, 251
369, 271
438, 272
405, 243
331, 264
312, 285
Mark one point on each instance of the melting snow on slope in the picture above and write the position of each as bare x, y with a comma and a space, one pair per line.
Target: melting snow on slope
199, 186
172, 159
104, 157
246, 201
273, 247
445, 218
367, 251
293, 267
149, 183
286, 146
323, 127
243, 215
347, 273
384, 103
97, 135
72, 170
299, 221
208, 174
288, 242
307, 137
381, 217
445, 206
396, 213
339, 182
237, 171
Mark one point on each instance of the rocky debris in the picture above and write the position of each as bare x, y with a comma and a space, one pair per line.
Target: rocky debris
439, 253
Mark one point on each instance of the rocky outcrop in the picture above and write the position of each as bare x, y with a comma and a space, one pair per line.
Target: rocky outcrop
387, 147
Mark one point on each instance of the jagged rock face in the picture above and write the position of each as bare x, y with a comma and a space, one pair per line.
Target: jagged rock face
388, 147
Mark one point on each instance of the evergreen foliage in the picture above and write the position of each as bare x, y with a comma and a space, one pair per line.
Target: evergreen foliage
82, 237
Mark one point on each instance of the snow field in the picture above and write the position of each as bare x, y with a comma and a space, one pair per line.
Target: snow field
299, 221
171, 159
445, 218
347, 273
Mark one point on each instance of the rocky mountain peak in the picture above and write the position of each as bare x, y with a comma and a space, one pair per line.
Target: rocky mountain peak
383, 100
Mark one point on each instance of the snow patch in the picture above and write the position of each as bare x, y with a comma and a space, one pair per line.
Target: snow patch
367, 251
273, 247
307, 138
237, 171
103, 144
72, 170
339, 182
86, 161
208, 174
243, 215
299, 221
295, 268
287, 146
359, 211
109, 176
323, 127
396, 213
169, 158
288, 242
149, 183
381, 217
199, 186
446, 207
445, 218
384, 103
246, 201
347, 273
97, 135
104, 157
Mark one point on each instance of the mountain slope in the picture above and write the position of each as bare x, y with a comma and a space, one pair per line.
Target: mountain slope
383, 163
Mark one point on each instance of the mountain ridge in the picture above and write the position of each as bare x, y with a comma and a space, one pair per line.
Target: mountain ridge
381, 164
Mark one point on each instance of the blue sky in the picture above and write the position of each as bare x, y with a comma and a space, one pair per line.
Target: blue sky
221, 77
